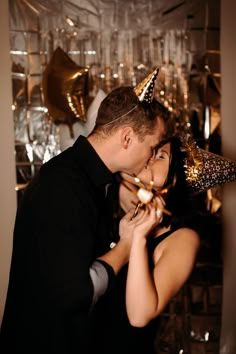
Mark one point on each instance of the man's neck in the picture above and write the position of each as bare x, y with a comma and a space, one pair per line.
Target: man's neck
108, 151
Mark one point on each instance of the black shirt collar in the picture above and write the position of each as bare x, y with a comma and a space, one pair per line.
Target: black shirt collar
92, 164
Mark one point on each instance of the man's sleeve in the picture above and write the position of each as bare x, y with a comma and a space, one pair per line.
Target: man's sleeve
103, 277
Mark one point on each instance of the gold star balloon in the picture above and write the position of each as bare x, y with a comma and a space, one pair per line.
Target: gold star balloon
65, 89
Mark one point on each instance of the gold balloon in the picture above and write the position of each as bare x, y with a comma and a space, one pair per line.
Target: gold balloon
65, 89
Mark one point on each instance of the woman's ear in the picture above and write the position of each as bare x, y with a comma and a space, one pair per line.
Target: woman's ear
127, 134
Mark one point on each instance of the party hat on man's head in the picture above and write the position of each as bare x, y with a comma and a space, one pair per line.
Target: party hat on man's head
145, 89
144, 92
205, 170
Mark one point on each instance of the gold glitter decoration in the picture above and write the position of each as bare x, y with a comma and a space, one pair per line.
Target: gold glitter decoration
204, 169
193, 164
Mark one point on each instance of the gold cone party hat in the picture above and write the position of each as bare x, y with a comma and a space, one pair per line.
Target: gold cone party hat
145, 89
205, 170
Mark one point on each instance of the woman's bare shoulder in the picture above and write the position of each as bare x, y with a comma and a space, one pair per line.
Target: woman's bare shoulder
181, 240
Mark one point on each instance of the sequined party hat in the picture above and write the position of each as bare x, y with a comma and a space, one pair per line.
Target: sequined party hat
204, 169
145, 89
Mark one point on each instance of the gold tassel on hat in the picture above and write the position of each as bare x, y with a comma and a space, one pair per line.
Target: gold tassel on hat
205, 170
145, 89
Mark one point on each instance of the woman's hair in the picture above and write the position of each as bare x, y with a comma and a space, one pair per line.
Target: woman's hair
180, 199
122, 107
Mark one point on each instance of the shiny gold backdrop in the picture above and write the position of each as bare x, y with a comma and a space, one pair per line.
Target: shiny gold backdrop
66, 56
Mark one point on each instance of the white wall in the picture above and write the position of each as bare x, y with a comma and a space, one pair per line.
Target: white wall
7, 158
228, 110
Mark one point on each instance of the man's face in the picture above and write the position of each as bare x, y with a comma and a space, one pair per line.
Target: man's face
142, 151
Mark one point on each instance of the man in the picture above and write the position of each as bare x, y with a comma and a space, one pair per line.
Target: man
63, 257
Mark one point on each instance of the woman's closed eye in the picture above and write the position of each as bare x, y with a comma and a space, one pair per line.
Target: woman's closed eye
162, 155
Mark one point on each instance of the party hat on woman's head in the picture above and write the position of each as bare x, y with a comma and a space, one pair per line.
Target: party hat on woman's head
204, 169
145, 89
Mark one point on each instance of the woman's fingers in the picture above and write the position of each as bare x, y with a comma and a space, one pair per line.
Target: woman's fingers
159, 202
159, 214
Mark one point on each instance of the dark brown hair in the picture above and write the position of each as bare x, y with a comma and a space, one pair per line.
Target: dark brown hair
181, 200
122, 107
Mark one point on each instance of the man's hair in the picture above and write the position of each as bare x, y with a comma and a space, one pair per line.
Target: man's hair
160, 110
121, 107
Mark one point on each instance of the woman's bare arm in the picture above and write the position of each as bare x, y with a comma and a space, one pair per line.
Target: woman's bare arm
147, 294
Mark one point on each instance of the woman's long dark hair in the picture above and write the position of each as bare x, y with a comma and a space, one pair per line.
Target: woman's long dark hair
184, 205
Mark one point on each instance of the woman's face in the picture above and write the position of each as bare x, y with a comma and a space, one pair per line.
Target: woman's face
158, 167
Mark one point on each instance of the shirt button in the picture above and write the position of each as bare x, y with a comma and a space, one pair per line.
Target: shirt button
112, 244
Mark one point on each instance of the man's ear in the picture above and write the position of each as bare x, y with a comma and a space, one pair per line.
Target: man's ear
127, 134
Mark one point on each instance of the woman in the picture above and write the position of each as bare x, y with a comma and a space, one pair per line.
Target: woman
163, 253
161, 260
165, 244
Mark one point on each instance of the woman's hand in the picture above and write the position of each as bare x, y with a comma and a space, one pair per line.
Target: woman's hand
140, 225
